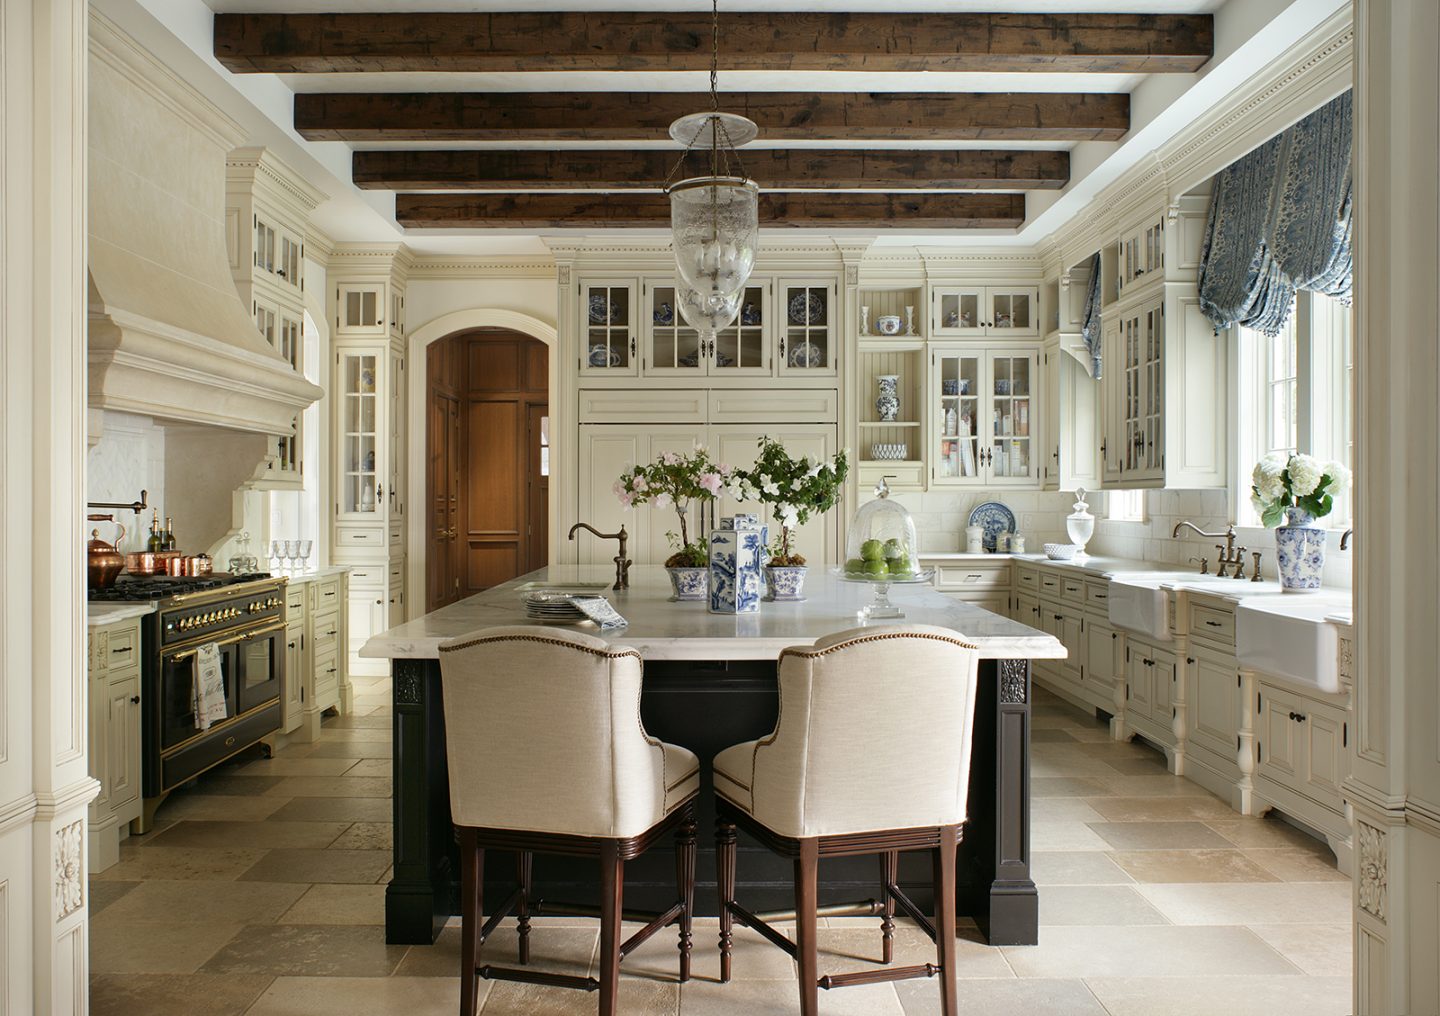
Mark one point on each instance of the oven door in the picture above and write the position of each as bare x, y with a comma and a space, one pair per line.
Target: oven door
253, 669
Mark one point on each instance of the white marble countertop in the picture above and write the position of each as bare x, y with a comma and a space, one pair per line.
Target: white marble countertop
99, 614
300, 578
664, 630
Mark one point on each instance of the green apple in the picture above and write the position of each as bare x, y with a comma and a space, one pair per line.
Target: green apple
855, 566
872, 550
893, 548
899, 565
876, 568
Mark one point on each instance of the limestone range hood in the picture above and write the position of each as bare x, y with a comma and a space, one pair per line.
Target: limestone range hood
169, 337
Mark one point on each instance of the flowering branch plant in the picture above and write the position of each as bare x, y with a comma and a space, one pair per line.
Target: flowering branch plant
673, 482
796, 489
1280, 482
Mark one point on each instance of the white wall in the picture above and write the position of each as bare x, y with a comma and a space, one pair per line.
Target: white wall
941, 516
428, 298
128, 458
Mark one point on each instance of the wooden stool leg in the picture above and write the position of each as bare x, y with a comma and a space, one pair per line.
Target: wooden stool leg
524, 868
685, 879
889, 875
612, 891
725, 882
945, 918
807, 867
472, 914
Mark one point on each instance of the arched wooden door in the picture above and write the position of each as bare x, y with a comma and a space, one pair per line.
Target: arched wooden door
487, 461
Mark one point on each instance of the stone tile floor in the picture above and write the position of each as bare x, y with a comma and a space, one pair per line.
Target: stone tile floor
261, 891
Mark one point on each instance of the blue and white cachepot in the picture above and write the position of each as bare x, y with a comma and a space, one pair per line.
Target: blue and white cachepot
786, 582
689, 583
1300, 552
737, 551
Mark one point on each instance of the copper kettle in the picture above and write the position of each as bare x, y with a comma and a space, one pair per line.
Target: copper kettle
104, 560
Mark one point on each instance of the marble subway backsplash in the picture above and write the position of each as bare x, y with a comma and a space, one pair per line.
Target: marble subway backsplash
941, 518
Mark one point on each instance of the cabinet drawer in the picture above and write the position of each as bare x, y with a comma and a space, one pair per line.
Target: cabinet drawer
371, 576
1210, 623
294, 601
325, 630
764, 405
681, 405
397, 532
1097, 595
324, 594
1049, 583
1027, 579
122, 651
350, 536
1072, 590
952, 577
899, 475
327, 680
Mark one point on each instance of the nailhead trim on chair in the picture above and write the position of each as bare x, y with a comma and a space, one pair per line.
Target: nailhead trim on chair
606, 653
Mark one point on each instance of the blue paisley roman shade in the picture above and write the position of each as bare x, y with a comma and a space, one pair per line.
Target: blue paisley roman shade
1090, 319
1280, 220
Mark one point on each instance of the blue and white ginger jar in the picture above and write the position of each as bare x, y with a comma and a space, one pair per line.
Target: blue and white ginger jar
1300, 552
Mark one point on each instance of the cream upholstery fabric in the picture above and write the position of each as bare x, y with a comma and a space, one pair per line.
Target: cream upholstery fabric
874, 733
543, 733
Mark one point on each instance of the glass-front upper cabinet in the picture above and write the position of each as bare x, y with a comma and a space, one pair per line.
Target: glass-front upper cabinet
609, 310
807, 312
673, 346
1142, 339
360, 469
983, 419
996, 311
744, 347
1013, 311
958, 311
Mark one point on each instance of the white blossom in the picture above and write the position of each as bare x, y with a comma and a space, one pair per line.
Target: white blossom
1304, 474
1339, 475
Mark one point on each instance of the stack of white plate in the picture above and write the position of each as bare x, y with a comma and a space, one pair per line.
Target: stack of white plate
551, 607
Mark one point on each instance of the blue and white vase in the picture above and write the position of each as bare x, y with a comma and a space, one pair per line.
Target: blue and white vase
737, 551
887, 403
787, 583
689, 583
1300, 552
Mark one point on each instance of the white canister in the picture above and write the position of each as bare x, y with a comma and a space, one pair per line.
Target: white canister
1002, 543
1017, 544
974, 539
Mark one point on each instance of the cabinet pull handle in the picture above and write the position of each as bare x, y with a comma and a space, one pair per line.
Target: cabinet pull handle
135, 699
632, 345
291, 645
1190, 660
117, 652
1213, 624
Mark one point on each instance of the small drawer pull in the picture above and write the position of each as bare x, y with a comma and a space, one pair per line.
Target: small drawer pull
117, 652
1213, 624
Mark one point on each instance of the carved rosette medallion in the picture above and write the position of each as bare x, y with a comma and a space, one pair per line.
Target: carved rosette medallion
1347, 659
562, 275
69, 869
409, 684
1014, 676
1371, 871
852, 275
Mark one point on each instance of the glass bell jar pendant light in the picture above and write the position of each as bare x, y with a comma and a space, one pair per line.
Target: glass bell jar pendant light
714, 218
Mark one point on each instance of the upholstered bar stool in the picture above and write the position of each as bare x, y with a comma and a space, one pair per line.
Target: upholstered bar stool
547, 754
870, 755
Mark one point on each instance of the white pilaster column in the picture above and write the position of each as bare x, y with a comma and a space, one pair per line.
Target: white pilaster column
1395, 786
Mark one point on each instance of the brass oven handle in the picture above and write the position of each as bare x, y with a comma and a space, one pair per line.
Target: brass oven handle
185, 654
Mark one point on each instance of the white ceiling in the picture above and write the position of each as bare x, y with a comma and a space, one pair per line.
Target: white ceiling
1248, 34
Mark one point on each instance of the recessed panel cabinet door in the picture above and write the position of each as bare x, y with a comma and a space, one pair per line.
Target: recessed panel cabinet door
1214, 703
124, 745
737, 445
1326, 760
1100, 645
605, 452
1279, 746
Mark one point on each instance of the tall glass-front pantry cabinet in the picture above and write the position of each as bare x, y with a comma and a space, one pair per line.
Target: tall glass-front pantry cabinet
984, 405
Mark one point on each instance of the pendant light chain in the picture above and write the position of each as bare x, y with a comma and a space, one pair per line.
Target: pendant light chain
714, 55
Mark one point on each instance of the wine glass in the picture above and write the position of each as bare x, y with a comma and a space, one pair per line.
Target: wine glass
306, 546
275, 555
292, 553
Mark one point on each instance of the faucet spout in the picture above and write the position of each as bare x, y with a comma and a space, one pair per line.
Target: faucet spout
622, 563
1345, 539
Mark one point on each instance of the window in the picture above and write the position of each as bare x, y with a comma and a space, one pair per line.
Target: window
1295, 395
1125, 506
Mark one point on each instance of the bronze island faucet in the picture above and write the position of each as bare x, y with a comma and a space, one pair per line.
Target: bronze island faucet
622, 563
1230, 555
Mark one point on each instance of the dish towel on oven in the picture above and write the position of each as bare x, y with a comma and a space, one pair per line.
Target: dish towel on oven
209, 687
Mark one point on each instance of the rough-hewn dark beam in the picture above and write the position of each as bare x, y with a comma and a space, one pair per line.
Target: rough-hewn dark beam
677, 41
772, 168
639, 209
646, 116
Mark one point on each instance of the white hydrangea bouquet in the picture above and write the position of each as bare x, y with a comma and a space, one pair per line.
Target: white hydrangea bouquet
1281, 483
796, 490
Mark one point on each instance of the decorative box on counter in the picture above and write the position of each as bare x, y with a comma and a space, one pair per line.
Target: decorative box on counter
737, 552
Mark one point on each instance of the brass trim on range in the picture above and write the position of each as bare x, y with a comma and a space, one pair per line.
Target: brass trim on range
227, 592
165, 790
229, 721
178, 651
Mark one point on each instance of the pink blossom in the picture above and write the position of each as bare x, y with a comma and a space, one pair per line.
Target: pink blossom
641, 484
670, 458
711, 482
626, 500
663, 501
724, 468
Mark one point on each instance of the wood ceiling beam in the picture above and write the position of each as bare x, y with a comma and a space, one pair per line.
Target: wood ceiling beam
680, 41
772, 168
639, 209
646, 116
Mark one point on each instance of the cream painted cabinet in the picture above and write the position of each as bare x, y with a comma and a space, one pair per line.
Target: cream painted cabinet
114, 736
1304, 756
1071, 422
673, 348
1152, 692
738, 445
316, 672
607, 450
983, 413
610, 335
995, 311
1213, 701
809, 339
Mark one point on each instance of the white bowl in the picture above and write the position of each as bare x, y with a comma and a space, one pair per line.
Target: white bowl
1060, 551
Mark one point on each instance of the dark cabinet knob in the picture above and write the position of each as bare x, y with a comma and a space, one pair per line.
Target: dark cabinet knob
135, 699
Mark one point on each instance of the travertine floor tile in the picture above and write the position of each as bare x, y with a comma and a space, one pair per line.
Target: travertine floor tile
1160, 809
223, 783
752, 958
351, 749
1190, 866
336, 809
338, 904
1044, 735
1298, 864
355, 866
1232, 996
334, 786
1064, 836
1322, 950
333, 735
1066, 786
1158, 835
1095, 904
637, 995
1267, 903
174, 994
367, 721
119, 947
774, 998
1030, 997
269, 834
284, 765
361, 996
1076, 867
307, 950
373, 767
227, 902
553, 949
1159, 784
104, 893
1271, 831
219, 808
366, 836
1162, 950
179, 863
1063, 809
851, 949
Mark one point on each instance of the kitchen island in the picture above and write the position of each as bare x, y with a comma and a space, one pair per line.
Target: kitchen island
710, 681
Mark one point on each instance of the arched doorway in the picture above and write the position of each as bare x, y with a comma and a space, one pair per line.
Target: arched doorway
487, 460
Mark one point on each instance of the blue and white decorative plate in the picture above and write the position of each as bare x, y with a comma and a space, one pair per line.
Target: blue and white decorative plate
599, 309
996, 519
806, 309
603, 356
808, 355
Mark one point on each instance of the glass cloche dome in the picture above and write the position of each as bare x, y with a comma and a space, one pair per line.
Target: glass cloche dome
881, 542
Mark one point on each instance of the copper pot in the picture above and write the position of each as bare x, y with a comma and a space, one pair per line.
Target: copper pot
175, 566
104, 562
199, 565
143, 563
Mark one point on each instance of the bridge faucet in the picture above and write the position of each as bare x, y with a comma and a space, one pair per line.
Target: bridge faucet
622, 563
1228, 557
1345, 539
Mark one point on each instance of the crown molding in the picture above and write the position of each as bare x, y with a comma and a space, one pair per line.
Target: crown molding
356, 260
461, 267
318, 245
257, 165
110, 45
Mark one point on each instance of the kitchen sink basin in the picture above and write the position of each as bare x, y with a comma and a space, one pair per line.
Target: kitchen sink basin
1290, 638
1141, 607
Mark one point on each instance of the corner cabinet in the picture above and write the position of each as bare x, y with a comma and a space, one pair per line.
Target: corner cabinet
983, 415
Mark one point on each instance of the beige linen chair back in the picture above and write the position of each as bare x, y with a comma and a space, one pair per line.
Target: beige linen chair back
874, 733
543, 733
